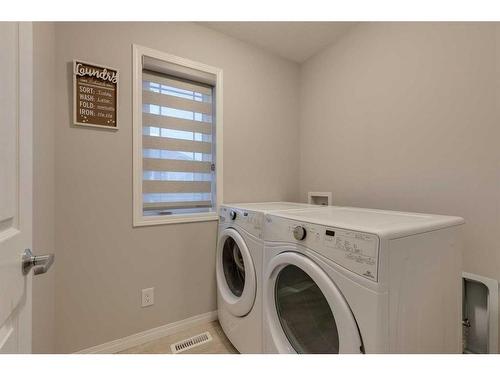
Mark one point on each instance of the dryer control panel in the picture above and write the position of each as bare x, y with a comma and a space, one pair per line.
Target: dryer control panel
355, 251
358, 249
250, 221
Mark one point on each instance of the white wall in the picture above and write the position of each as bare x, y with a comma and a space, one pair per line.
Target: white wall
405, 116
43, 183
102, 261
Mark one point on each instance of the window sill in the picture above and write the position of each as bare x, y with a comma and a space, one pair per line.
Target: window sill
175, 219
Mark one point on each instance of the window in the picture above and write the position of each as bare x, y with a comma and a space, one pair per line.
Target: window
177, 134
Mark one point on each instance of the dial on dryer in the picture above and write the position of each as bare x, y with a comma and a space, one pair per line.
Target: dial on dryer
299, 233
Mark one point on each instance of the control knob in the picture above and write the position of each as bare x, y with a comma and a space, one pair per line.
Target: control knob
299, 233
232, 215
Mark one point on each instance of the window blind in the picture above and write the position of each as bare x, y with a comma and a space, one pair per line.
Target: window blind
178, 145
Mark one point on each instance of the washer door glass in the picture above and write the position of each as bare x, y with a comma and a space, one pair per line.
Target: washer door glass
304, 313
233, 266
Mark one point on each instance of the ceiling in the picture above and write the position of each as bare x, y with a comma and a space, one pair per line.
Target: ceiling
296, 41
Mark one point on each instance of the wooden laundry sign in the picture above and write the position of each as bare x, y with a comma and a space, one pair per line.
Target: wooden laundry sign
95, 101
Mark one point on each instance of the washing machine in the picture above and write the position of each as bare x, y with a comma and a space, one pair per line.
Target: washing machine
239, 270
351, 280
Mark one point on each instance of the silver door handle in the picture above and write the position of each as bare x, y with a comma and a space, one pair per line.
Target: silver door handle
41, 263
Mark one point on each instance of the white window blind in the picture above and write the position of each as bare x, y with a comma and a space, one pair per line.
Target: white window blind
178, 145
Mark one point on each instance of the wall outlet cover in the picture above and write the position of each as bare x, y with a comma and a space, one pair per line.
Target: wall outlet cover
148, 297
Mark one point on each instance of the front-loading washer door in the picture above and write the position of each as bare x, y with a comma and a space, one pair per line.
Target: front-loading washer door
235, 270
306, 311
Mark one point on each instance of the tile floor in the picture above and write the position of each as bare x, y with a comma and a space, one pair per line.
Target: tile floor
219, 344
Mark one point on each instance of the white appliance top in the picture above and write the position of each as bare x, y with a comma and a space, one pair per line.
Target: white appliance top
389, 224
250, 216
265, 207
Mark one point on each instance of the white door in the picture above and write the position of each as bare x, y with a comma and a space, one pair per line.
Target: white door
305, 311
15, 184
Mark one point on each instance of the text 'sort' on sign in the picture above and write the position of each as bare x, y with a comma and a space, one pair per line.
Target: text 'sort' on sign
95, 95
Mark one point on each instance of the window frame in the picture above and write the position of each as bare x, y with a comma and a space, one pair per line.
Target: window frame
138, 217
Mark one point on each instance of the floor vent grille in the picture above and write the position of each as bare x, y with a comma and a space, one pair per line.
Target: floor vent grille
191, 342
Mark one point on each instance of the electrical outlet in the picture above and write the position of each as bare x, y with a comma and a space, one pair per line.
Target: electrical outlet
148, 297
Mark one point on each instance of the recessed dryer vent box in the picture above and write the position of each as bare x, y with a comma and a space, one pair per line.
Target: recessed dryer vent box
479, 314
320, 198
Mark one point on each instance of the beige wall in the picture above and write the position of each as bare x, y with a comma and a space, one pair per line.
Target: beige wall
102, 262
406, 117
43, 183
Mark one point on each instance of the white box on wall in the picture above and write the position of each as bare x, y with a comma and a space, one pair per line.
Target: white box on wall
319, 198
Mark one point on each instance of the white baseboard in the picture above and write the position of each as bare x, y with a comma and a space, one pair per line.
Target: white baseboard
124, 343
